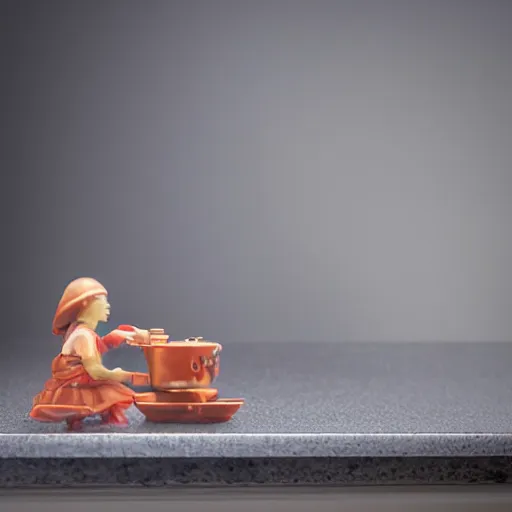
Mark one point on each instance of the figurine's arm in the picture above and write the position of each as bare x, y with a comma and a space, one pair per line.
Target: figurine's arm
98, 372
118, 336
124, 333
134, 334
85, 347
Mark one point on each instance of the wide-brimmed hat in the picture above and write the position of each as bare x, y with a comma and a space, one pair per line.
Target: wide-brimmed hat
70, 303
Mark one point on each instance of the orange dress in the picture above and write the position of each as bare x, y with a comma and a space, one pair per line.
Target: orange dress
71, 394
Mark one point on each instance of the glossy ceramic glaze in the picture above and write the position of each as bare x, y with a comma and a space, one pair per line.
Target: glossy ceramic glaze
182, 364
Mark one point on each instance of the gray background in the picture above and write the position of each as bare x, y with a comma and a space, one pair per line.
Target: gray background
261, 170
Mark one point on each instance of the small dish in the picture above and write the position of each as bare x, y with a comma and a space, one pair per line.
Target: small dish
218, 411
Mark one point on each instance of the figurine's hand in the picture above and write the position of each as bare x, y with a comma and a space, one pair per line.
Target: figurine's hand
138, 336
122, 375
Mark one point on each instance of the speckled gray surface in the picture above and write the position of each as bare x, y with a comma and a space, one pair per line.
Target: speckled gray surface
389, 406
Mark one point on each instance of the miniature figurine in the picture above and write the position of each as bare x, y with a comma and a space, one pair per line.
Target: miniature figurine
80, 385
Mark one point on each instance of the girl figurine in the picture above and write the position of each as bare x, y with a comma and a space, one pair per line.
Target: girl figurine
80, 385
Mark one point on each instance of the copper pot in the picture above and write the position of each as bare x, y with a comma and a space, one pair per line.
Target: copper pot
184, 364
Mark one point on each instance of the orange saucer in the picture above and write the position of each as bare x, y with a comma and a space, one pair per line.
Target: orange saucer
218, 411
179, 395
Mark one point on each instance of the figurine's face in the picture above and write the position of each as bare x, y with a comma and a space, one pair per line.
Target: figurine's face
99, 308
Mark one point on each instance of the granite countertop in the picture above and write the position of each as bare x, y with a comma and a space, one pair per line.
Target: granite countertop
324, 413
